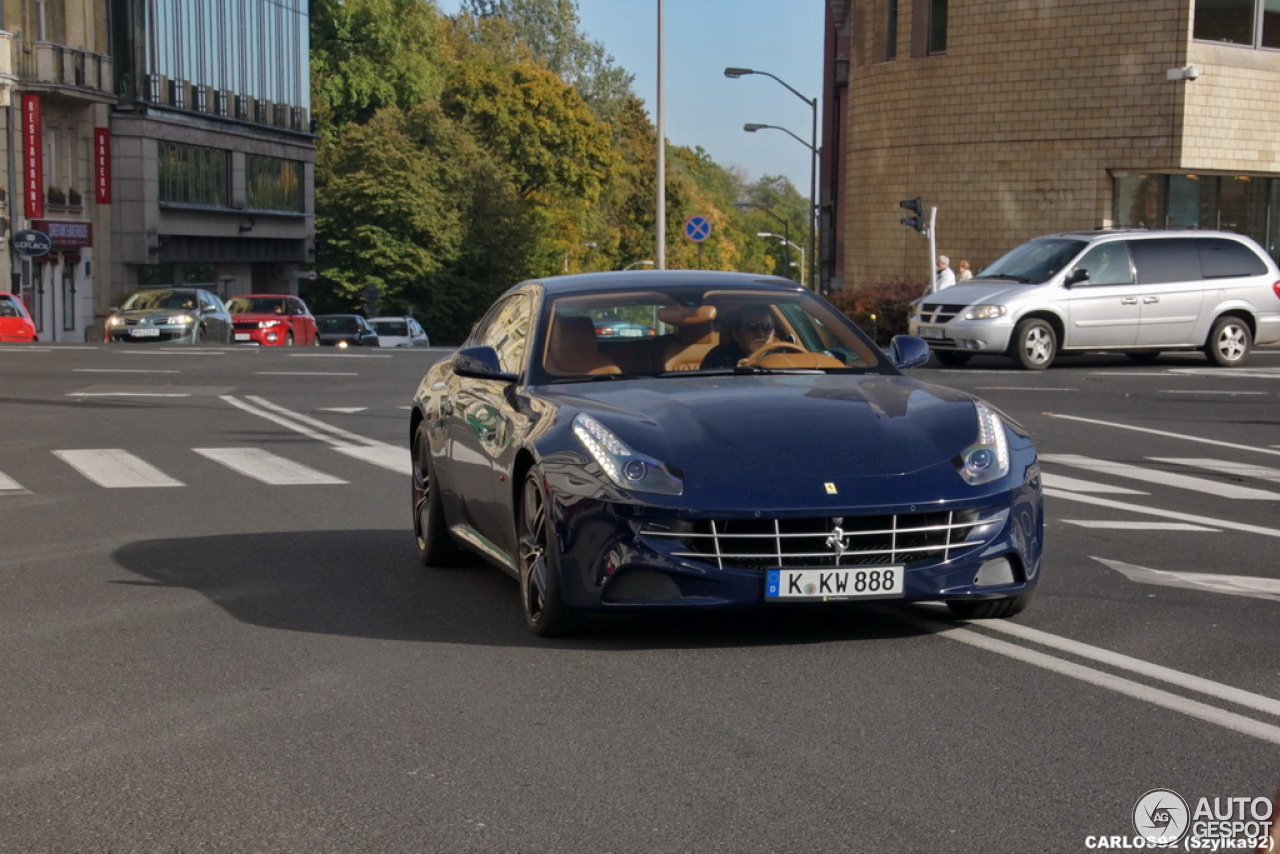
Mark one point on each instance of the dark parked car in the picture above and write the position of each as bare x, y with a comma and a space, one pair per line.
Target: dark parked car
280, 320
621, 474
172, 315
345, 330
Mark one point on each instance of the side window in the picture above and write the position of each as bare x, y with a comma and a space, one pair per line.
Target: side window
1108, 264
1165, 260
1222, 258
506, 330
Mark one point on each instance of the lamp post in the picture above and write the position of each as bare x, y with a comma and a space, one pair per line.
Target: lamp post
734, 74
635, 264
588, 246
786, 226
786, 242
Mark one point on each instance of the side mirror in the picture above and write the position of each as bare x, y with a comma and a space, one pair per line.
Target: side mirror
908, 351
480, 363
1077, 276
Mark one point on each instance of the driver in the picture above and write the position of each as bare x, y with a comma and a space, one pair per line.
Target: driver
749, 329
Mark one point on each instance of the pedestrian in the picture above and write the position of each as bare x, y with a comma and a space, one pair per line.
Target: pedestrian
945, 278
963, 273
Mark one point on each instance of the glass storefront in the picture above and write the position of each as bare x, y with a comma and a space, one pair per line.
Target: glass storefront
1244, 204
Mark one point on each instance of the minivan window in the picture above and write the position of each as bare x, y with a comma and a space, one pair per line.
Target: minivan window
1034, 263
1165, 260
1222, 258
1108, 264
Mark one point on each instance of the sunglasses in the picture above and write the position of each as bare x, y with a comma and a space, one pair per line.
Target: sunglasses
757, 328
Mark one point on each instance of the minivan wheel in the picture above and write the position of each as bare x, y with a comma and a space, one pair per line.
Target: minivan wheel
1229, 342
1035, 344
951, 358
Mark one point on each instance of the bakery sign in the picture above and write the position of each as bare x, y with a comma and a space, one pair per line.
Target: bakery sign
66, 234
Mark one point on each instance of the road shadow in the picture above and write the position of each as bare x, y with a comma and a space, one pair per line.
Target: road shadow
369, 584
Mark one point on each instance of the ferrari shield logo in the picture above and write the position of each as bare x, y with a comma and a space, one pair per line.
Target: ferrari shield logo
830, 487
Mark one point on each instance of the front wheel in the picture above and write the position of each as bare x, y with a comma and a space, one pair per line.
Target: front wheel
1229, 342
436, 546
540, 596
1034, 345
987, 609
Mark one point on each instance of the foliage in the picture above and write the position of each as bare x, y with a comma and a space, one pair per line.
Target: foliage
881, 309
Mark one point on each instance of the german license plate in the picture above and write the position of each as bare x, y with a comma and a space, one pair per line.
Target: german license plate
242, 336
144, 333
863, 582
931, 332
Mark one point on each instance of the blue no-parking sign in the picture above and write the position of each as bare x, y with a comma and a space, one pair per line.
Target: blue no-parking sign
697, 228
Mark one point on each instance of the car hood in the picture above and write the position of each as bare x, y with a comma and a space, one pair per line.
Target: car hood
258, 316
154, 313
978, 292
778, 429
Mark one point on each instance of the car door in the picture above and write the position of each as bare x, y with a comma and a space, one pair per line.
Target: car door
1171, 288
217, 320
1103, 310
480, 423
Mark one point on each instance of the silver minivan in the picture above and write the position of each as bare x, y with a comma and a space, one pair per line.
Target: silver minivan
1138, 291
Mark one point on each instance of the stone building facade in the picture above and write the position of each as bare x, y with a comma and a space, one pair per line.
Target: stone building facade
1021, 117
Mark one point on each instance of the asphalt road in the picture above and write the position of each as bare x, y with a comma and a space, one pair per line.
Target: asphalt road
215, 636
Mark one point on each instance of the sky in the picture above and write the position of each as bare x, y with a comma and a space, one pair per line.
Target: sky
702, 107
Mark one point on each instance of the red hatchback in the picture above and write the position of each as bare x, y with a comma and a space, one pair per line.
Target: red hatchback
273, 320
15, 323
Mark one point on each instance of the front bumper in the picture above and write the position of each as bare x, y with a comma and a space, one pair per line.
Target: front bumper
163, 334
969, 336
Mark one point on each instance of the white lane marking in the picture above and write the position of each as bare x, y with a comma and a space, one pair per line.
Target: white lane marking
267, 467
126, 394
1179, 481
1247, 699
1075, 485
124, 371
1102, 524
1120, 685
1207, 391
1163, 514
391, 457
8, 484
1245, 470
283, 422
306, 373
115, 469
172, 352
1252, 586
315, 422
1166, 433
340, 355
344, 410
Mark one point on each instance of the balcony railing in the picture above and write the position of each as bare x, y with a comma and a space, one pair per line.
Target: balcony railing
47, 62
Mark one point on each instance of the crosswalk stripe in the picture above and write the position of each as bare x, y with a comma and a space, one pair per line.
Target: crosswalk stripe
8, 484
1246, 470
1061, 481
1179, 481
267, 467
115, 469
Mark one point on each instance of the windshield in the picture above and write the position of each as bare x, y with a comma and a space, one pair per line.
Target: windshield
338, 323
257, 305
1034, 263
149, 300
686, 331
390, 326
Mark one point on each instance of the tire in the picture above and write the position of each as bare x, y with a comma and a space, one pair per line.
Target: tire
1229, 342
1034, 345
1143, 357
436, 546
951, 358
988, 609
288, 339
541, 599
197, 336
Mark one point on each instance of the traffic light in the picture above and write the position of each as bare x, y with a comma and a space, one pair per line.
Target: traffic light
916, 206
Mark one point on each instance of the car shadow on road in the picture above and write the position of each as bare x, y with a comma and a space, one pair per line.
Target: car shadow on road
369, 584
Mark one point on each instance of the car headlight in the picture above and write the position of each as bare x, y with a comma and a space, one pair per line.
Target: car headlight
267, 324
179, 320
623, 465
987, 459
985, 312
115, 320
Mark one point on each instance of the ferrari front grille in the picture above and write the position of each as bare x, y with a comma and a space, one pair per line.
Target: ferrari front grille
760, 544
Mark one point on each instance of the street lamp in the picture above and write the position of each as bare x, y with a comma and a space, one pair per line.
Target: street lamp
786, 226
635, 264
734, 74
784, 240
588, 246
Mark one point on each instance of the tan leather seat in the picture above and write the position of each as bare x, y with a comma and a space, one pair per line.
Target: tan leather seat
572, 349
694, 337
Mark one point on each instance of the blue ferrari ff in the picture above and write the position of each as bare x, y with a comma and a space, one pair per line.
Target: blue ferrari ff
759, 450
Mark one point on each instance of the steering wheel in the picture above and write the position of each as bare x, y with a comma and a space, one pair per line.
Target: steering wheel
772, 347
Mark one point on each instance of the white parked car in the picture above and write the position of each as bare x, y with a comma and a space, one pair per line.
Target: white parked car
400, 331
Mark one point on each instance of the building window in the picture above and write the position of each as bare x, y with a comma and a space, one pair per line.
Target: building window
1251, 23
273, 184
193, 175
1243, 204
891, 30
937, 26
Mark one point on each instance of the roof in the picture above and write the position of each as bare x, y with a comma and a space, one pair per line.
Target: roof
627, 280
